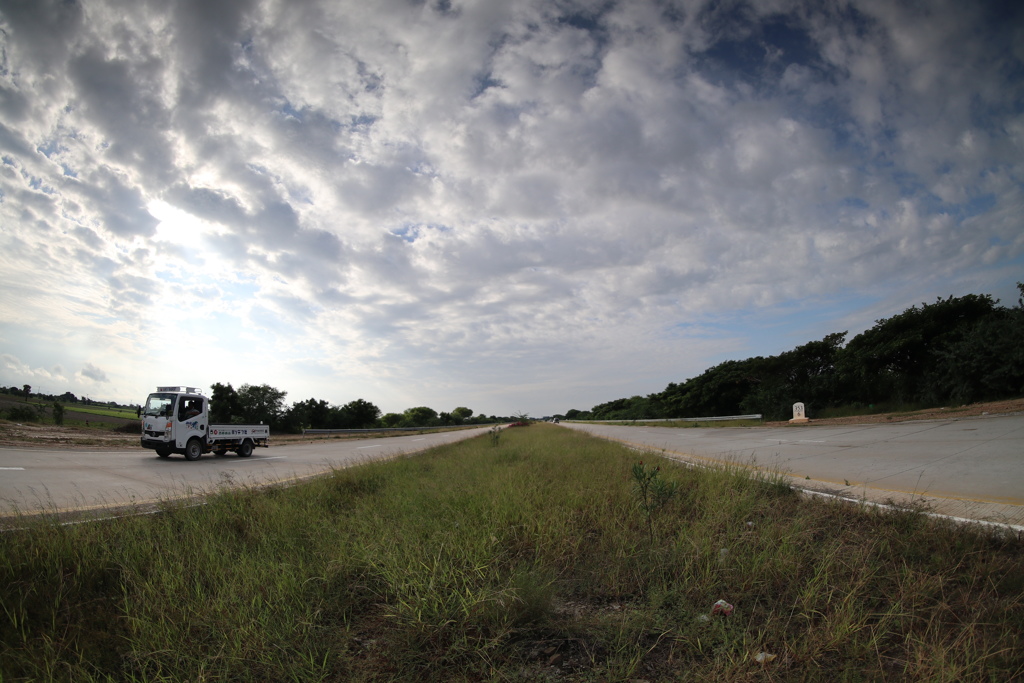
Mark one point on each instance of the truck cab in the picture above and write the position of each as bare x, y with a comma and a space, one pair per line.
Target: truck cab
172, 417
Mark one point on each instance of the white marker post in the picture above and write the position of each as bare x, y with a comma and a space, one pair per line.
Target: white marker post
798, 414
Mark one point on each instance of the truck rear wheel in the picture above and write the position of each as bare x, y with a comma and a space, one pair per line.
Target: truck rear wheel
193, 449
245, 449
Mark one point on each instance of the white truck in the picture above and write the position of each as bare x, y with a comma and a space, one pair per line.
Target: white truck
176, 420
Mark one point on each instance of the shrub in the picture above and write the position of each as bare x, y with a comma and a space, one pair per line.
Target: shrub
129, 428
22, 414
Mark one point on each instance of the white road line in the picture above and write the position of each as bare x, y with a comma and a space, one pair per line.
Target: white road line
795, 440
419, 439
12, 468
375, 446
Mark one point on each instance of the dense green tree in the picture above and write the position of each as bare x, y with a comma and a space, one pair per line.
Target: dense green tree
960, 348
890, 361
224, 406
261, 403
632, 408
719, 390
359, 414
391, 419
984, 362
806, 374
421, 416
311, 413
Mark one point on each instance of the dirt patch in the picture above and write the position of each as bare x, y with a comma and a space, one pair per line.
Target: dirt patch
42, 435
1007, 407
28, 435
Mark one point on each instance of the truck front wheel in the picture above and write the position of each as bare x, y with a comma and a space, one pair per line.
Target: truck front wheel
193, 449
245, 449
163, 451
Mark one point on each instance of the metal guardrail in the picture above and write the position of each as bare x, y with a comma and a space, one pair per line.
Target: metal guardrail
758, 416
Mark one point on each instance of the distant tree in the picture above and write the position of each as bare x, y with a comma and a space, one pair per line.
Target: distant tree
224, 406
261, 403
891, 360
986, 362
391, 419
58, 413
461, 414
312, 413
28, 390
360, 414
421, 416
807, 374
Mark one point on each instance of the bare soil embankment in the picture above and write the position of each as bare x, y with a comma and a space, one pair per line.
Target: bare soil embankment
1007, 407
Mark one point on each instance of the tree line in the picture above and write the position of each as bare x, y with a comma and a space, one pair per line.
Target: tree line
957, 350
67, 397
252, 404
262, 403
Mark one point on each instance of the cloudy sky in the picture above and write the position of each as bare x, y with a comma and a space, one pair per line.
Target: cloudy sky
510, 205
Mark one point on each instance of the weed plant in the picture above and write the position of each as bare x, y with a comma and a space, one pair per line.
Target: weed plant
520, 560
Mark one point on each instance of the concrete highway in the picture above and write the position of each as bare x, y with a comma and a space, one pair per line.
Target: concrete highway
34, 480
968, 467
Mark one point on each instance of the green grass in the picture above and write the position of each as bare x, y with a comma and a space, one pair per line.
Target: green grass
525, 560
107, 411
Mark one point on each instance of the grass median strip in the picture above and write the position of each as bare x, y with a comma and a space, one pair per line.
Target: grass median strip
536, 555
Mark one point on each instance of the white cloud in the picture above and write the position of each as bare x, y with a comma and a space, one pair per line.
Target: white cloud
90, 371
506, 199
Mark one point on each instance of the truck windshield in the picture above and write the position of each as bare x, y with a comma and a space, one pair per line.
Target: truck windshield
159, 405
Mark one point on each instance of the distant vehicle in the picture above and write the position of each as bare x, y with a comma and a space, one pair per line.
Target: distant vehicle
175, 420
555, 420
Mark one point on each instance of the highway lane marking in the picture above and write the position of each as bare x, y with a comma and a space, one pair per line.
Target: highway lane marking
12, 468
796, 440
374, 446
419, 439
